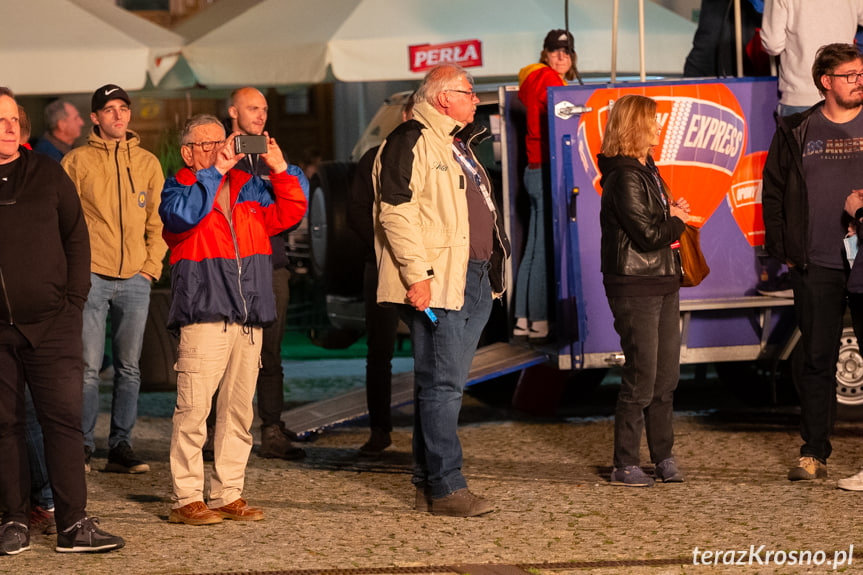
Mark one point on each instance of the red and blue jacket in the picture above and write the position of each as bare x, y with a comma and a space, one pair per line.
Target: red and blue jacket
220, 263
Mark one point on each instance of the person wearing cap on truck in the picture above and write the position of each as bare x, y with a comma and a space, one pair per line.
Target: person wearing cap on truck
556, 65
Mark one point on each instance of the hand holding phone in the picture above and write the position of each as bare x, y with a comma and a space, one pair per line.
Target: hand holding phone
248, 144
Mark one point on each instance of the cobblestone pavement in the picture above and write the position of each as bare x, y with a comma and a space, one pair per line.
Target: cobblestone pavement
556, 512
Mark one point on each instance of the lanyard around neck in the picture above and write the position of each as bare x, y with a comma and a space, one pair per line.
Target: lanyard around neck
469, 164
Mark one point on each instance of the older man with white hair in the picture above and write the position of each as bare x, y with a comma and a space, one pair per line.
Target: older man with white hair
441, 249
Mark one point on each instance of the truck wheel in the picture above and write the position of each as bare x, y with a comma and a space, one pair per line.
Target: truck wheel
849, 377
337, 257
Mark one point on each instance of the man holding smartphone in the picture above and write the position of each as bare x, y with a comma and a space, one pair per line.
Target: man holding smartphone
219, 304
248, 113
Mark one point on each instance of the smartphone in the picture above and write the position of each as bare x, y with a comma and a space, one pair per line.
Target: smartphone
245, 144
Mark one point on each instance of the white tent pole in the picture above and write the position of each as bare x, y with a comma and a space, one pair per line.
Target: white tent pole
738, 37
614, 41
641, 65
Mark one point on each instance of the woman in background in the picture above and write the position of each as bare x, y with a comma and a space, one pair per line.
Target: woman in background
640, 227
556, 66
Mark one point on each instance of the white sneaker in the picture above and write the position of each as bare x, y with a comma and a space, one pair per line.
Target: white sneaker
853, 483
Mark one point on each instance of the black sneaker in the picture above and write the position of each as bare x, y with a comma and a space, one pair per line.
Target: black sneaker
14, 538
88, 454
86, 537
121, 459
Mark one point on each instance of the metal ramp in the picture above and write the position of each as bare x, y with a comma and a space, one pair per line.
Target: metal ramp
489, 362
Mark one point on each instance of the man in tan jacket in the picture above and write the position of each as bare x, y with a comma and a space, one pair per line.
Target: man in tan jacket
119, 184
440, 247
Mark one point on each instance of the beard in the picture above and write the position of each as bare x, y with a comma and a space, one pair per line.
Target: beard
853, 100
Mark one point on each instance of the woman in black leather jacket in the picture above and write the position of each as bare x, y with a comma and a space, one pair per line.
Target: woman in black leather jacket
641, 273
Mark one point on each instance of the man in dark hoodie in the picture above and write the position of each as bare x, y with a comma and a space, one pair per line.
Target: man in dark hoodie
44, 280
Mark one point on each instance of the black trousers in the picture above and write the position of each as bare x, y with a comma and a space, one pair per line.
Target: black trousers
55, 373
381, 325
271, 378
649, 329
820, 298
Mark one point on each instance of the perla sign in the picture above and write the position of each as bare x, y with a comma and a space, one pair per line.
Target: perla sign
466, 53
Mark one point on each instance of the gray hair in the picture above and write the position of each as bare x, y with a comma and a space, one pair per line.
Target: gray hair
438, 80
54, 112
197, 121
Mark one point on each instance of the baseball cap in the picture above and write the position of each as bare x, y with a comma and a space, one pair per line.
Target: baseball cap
107, 93
557, 39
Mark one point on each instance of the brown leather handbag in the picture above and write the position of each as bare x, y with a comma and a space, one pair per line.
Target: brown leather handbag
693, 266
692, 262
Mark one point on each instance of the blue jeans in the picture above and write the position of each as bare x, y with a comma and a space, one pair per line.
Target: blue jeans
784, 110
128, 302
531, 290
442, 360
40, 483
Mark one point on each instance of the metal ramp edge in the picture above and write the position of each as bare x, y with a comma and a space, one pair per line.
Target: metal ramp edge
489, 362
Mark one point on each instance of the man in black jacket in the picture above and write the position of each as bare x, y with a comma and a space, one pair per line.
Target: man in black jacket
814, 162
44, 281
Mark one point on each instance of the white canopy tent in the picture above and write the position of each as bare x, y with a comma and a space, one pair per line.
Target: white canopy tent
284, 42
270, 43
74, 46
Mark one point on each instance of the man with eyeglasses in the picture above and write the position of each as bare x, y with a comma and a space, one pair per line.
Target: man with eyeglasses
814, 162
218, 221
793, 30
119, 183
441, 249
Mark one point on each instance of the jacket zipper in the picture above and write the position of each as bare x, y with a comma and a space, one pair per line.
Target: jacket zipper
120, 204
6, 297
230, 218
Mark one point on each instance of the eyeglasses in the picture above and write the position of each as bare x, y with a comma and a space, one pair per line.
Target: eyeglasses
851, 78
470, 93
206, 146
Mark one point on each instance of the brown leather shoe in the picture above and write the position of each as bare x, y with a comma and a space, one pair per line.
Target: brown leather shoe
239, 510
275, 443
195, 513
461, 503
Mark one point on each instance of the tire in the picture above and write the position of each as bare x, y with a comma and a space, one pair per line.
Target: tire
849, 371
336, 251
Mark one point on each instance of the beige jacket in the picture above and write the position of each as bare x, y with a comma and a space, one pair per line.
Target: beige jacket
421, 214
120, 185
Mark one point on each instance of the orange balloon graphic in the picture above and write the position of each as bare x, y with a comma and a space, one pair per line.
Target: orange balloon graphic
744, 198
703, 138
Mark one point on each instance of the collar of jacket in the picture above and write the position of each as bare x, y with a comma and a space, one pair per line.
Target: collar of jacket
441, 125
133, 140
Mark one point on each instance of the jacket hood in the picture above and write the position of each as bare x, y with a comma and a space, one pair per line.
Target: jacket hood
608, 166
528, 70
133, 140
